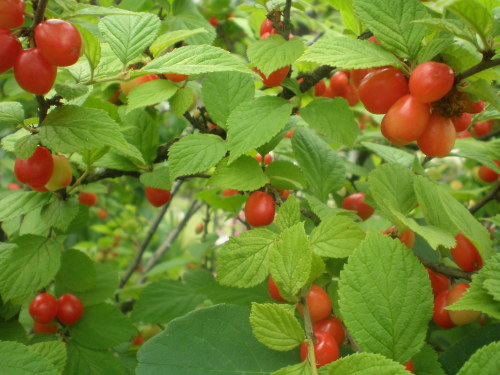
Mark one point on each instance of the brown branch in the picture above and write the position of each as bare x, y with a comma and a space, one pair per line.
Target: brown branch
488, 197
483, 65
445, 270
287, 28
309, 81
310, 215
41, 5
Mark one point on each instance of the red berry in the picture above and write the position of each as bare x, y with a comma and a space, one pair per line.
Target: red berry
11, 13
43, 308
326, 349
289, 134
461, 122
44, 328
430, 81
37, 169
488, 175
333, 326
88, 199
338, 83
70, 309
466, 255
260, 209
59, 41
464, 134
33, 72
176, 77
318, 304
274, 291
10, 47
475, 107
138, 340
351, 95
357, 203
284, 193
407, 237
357, 75
438, 138
102, 214
267, 27
460, 317
379, 90
275, 78
126, 87
13, 186
230, 192
61, 175
157, 197
441, 316
268, 158
439, 282
214, 21
409, 366
319, 88
405, 121
482, 128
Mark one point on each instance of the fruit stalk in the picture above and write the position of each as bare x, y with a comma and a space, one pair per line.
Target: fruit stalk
309, 332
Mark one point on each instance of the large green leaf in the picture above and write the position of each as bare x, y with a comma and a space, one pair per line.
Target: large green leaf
244, 174
364, 364
20, 203
17, 359
485, 361
150, 93
82, 360
11, 113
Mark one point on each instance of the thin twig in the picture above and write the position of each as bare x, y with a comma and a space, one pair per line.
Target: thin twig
445, 270
287, 28
483, 65
488, 197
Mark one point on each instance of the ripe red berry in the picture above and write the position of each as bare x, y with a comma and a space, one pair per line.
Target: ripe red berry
439, 282
430, 81
267, 27
289, 134
351, 95
11, 13
275, 78
326, 349
13, 186
464, 134
438, 138
88, 199
488, 175
338, 83
333, 326
214, 21
482, 128
460, 317
59, 41
357, 203
475, 107
318, 304
441, 316
176, 77
268, 158
465, 254
33, 72
462, 122
70, 309
274, 291
44, 328
157, 197
319, 88
102, 214
61, 174
380, 89
128, 86
409, 366
37, 169
284, 193
43, 308
407, 237
230, 192
357, 75
260, 209
10, 47
405, 121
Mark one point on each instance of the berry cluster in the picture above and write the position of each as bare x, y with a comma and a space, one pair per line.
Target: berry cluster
45, 308
58, 43
342, 84
449, 318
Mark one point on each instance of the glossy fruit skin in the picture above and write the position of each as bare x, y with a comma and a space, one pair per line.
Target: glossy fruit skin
70, 309
379, 90
230, 193
268, 158
88, 199
439, 282
318, 303
488, 175
407, 237
260, 209
289, 134
326, 349
214, 21
357, 203
126, 87
176, 77
465, 254
284, 193
409, 366
462, 122
441, 316
430, 81
438, 138
44, 328
351, 95
275, 78
274, 291
357, 75
33, 72
338, 83
267, 27
464, 134
59, 41
37, 169
10, 47
11, 13
319, 88
475, 107
157, 197
405, 121
461, 317
43, 308
482, 128
61, 175
332, 326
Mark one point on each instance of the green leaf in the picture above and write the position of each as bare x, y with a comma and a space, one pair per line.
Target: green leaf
455, 27
141, 131
301, 368
12, 330
285, 175
164, 300
229, 333
128, 36
442, 210
29, 266
333, 118
245, 174
433, 48
102, 326
391, 21
182, 100
222, 92
256, 122
391, 154
71, 129
159, 178
60, 213
243, 261
426, 362
20, 203
482, 90
386, 298
52, 351
25, 146
170, 38
195, 153
214, 199
92, 46
336, 237
347, 53
288, 214
363, 364
483, 152
290, 261
276, 326
196, 60
476, 15
185, 16
150, 93
274, 53
485, 361
492, 277
17, 359
11, 113
322, 167
82, 360
71, 91
77, 271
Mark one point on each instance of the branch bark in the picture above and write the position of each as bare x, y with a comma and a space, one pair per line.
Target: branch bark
445, 270
488, 197
483, 65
